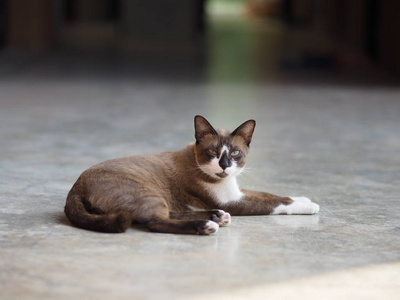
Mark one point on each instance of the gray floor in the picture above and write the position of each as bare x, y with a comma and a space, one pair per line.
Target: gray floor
329, 137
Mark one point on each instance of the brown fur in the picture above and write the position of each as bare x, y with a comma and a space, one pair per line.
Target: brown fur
156, 190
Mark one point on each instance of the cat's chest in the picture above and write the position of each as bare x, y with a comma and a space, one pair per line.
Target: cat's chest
224, 192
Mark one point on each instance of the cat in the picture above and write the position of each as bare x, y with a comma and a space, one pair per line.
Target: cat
190, 191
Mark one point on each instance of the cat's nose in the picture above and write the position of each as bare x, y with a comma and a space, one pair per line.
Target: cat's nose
224, 162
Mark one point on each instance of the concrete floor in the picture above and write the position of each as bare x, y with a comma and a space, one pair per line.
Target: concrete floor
328, 136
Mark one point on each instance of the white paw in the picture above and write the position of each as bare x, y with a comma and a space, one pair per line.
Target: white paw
224, 218
300, 206
211, 227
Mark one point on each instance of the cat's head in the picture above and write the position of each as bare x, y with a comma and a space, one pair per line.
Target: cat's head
221, 153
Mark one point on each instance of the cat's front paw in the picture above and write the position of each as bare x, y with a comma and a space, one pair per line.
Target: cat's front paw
221, 217
224, 218
304, 206
300, 206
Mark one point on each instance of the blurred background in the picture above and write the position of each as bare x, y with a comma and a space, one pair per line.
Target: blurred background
229, 40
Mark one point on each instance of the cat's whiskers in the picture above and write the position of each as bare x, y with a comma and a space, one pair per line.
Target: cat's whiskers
246, 170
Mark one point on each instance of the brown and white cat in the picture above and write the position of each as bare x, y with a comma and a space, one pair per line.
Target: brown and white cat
187, 191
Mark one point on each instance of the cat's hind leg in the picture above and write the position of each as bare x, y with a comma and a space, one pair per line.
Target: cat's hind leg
153, 212
217, 215
203, 227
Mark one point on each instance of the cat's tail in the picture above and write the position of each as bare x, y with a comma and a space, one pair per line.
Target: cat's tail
82, 216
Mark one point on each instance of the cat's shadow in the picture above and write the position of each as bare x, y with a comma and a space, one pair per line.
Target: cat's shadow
292, 221
296, 221
61, 219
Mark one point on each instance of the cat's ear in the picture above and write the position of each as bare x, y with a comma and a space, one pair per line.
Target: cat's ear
245, 131
202, 127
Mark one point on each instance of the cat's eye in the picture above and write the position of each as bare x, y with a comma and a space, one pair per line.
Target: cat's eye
235, 153
212, 152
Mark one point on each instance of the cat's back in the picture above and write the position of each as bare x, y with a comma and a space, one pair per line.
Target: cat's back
137, 166
154, 171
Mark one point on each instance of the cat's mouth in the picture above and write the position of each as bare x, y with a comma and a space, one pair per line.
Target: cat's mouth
222, 174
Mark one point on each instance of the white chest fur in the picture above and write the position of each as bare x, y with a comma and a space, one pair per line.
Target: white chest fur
225, 191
